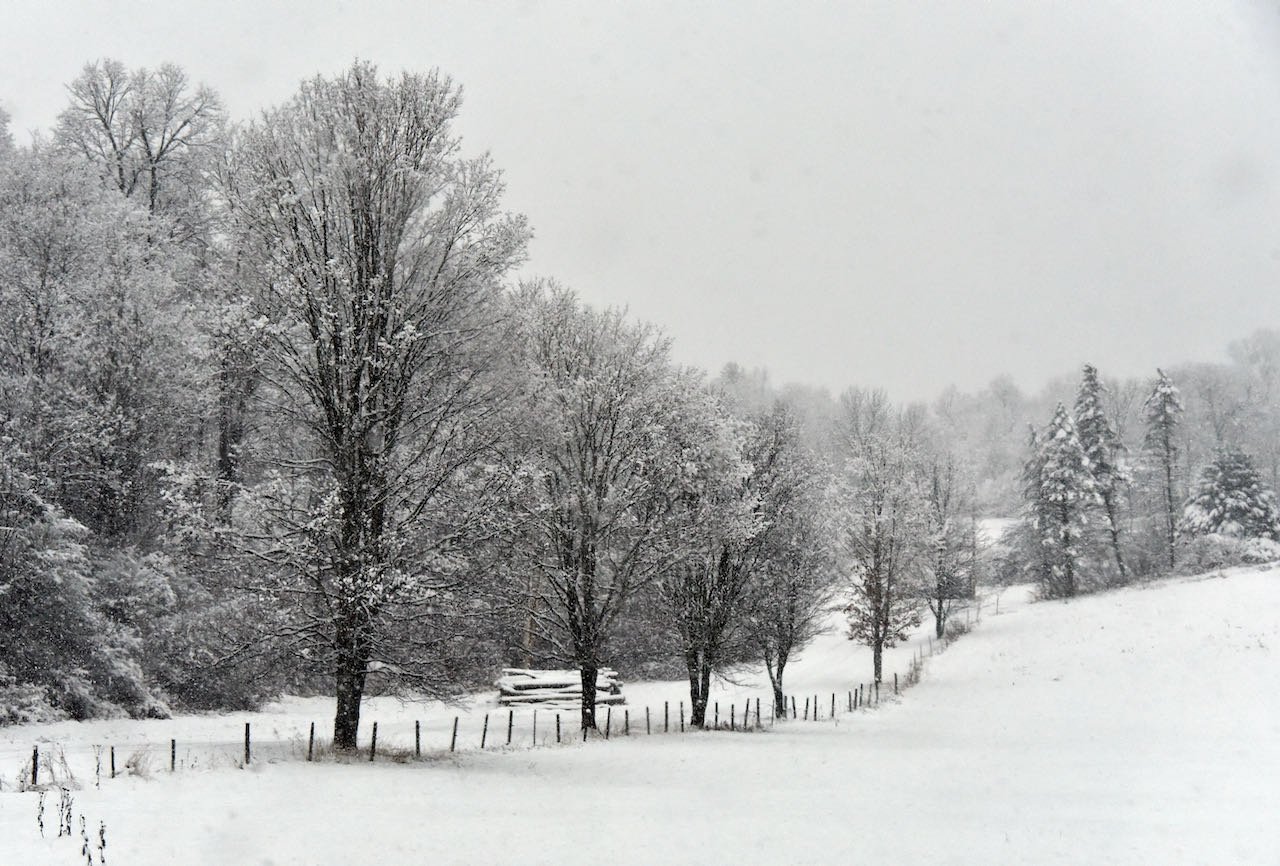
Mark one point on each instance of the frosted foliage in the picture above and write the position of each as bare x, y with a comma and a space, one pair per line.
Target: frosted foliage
1098, 437
1163, 412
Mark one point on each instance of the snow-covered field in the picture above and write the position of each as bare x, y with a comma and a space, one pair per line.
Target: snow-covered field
1140, 726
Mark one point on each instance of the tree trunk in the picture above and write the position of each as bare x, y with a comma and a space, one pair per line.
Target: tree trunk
877, 656
774, 665
528, 637
227, 440
940, 620
706, 688
589, 672
1109, 502
350, 676
699, 687
1168, 499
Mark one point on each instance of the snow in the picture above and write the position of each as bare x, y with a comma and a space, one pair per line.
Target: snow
1137, 726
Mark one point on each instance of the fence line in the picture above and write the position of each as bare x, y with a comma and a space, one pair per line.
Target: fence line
48, 766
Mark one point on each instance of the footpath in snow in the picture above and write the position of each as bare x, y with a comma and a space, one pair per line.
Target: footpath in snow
1140, 726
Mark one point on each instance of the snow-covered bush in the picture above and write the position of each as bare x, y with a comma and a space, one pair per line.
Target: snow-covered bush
1201, 553
1230, 499
25, 703
59, 650
1260, 550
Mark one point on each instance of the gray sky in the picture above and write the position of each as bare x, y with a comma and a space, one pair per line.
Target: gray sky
895, 194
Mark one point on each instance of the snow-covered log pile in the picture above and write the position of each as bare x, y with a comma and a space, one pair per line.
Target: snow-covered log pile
555, 689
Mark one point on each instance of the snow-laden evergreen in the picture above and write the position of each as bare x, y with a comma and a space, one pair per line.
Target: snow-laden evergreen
1230, 499
1105, 452
1060, 492
1163, 413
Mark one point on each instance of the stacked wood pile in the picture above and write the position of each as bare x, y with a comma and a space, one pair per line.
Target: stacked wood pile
557, 690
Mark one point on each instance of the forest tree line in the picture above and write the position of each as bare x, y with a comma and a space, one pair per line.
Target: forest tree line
276, 415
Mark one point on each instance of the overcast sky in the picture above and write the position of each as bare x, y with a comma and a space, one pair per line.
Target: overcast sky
894, 194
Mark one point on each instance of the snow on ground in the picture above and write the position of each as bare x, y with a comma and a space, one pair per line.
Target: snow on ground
1140, 726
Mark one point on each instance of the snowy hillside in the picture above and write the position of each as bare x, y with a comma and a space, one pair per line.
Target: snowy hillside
1140, 726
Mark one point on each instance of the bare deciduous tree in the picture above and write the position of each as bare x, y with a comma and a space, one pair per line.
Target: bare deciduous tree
150, 131
378, 254
950, 555
880, 523
598, 468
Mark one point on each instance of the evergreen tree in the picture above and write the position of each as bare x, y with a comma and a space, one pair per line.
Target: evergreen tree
1163, 410
1231, 499
1105, 451
1060, 493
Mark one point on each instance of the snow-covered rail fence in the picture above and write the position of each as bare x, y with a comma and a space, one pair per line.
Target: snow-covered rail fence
555, 689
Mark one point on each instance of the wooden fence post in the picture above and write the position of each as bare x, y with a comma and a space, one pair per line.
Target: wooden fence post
113, 762
666, 717
173, 755
806, 709
833, 705
851, 702
247, 753
484, 732
535, 742
535, 726
815, 708
682, 717
732, 709
717, 716
35, 766
511, 721
646, 720
373, 743
453, 740
757, 712
608, 720
417, 737
626, 722
311, 742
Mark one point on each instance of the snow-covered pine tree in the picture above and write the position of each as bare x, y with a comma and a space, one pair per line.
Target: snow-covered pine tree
1060, 492
1105, 451
1163, 410
1038, 565
1230, 499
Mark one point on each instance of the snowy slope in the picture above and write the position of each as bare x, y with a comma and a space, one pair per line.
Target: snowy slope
1140, 726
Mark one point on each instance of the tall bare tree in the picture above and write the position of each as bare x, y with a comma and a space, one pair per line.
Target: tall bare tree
880, 521
151, 132
599, 466
378, 255
726, 521
951, 546
794, 587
